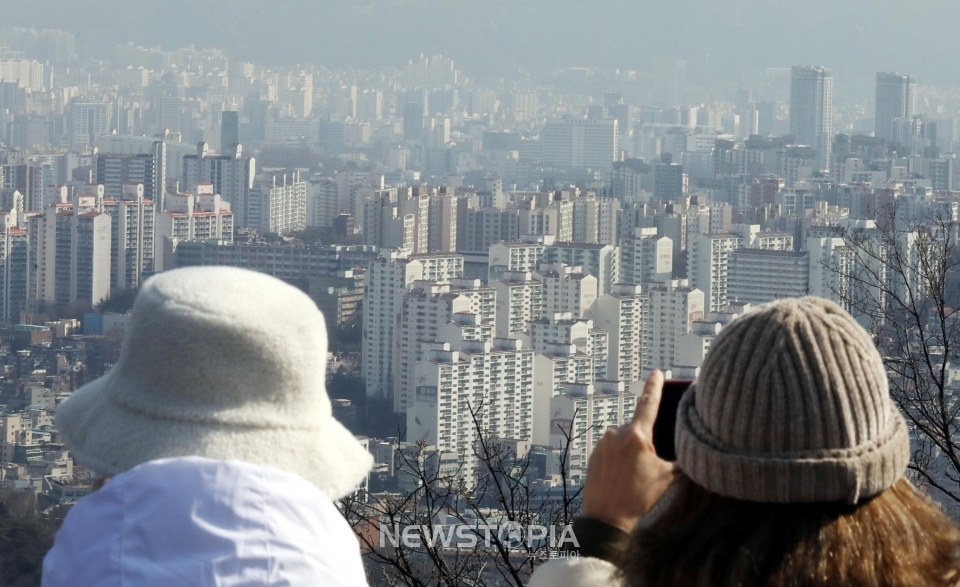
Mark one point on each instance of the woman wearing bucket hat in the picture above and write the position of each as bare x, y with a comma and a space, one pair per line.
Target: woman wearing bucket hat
789, 472
218, 437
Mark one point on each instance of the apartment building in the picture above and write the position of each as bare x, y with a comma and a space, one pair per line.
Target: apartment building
566, 289
513, 256
490, 385
601, 261
646, 258
519, 300
708, 261
620, 313
673, 307
581, 415
425, 308
132, 228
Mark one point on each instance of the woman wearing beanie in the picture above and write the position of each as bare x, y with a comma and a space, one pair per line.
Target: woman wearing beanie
789, 472
217, 436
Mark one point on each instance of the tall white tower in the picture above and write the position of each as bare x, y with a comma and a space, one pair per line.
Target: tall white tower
811, 110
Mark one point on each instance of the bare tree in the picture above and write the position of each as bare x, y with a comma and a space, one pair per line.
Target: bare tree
395, 562
485, 495
900, 280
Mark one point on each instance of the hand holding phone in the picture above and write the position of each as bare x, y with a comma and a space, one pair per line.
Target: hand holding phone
666, 424
625, 476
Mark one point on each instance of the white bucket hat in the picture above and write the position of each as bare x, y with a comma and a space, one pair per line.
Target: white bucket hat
220, 363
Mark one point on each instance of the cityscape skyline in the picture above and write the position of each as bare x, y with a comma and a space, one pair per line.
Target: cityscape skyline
510, 215
850, 37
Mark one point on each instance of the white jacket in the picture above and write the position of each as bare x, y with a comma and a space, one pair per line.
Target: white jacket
575, 572
203, 523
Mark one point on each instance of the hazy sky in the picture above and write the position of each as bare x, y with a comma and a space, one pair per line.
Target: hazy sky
722, 37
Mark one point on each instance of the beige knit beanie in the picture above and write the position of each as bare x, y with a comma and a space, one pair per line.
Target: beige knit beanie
792, 406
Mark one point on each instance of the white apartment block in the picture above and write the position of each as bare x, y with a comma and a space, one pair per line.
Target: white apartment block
480, 228
578, 143
811, 110
169, 110
543, 222
708, 258
758, 276
831, 263
586, 220
620, 313
607, 217
583, 413
796, 164
466, 327
359, 194
418, 205
697, 219
692, 347
354, 187
519, 300
513, 256
595, 219
322, 201
721, 214
12, 432
483, 298
426, 307
646, 258
673, 307
277, 203
26, 74
753, 238
799, 198
566, 289
563, 364
560, 328
14, 271
89, 120
773, 241
231, 174
601, 261
564, 226
490, 383
114, 170
834, 266
599, 348
382, 224
442, 223
626, 179
384, 285
546, 333
71, 244
440, 267
200, 216
133, 229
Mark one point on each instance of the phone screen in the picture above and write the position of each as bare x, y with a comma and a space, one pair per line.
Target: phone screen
663, 428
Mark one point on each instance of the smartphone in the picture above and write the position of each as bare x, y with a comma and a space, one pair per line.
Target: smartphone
665, 425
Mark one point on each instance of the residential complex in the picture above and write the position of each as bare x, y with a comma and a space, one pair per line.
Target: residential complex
511, 254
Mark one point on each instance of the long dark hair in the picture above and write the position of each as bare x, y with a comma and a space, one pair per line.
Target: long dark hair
701, 539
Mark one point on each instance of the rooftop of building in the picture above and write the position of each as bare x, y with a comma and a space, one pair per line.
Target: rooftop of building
518, 281
561, 322
520, 244
770, 253
571, 245
435, 255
